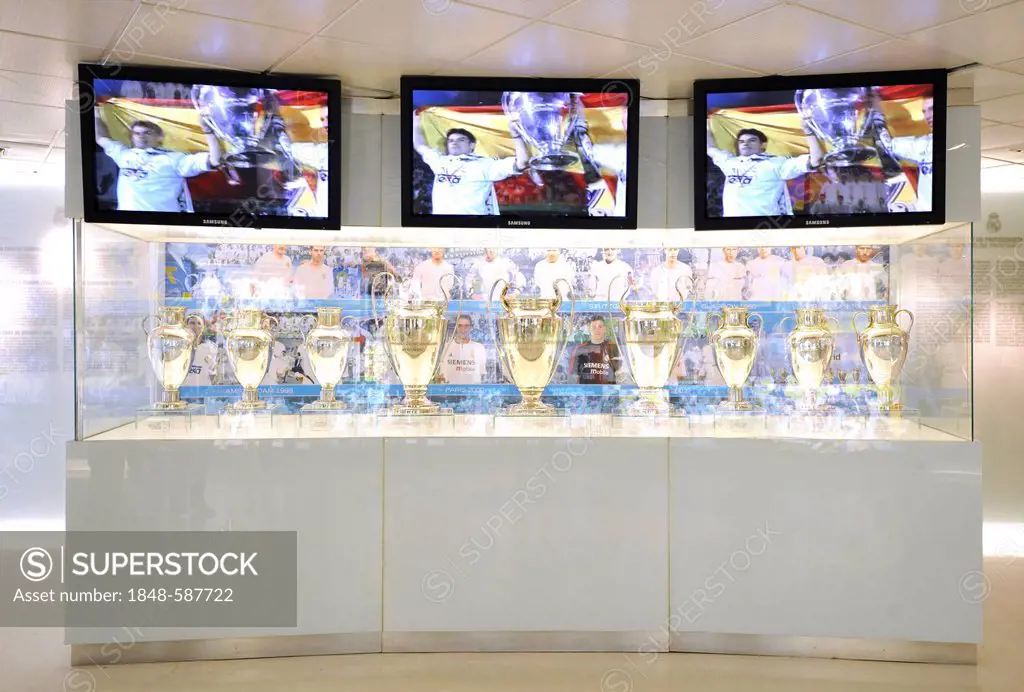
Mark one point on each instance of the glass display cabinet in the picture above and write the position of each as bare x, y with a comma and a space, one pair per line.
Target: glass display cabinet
792, 408
823, 333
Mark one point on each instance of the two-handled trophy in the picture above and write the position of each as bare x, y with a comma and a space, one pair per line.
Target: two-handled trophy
811, 344
884, 345
415, 339
840, 118
171, 345
248, 339
327, 347
545, 120
735, 346
531, 340
652, 334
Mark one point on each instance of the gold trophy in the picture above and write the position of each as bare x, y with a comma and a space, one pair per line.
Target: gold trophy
415, 339
811, 344
883, 348
171, 345
652, 336
248, 340
735, 347
327, 346
528, 345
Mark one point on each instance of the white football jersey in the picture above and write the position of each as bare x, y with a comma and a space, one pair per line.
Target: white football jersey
809, 279
154, 179
428, 278
204, 363
314, 155
605, 276
464, 185
499, 269
545, 274
769, 278
919, 150
725, 280
665, 280
313, 282
863, 280
756, 185
464, 363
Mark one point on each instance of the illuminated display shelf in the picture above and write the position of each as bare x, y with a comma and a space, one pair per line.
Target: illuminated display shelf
355, 236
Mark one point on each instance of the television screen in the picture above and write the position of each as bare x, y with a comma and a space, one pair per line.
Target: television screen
519, 152
200, 147
853, 150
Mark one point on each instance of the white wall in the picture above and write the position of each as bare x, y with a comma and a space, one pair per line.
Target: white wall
999, 344
36, 345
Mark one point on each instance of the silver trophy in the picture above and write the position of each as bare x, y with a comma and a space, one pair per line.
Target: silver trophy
545, 120
248, 122
840, 118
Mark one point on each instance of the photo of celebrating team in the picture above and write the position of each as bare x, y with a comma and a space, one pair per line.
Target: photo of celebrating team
817, 152
194, 148
490, 153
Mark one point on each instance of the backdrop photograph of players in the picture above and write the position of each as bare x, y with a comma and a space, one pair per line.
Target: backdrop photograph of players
193, 148
820, 151
481, 153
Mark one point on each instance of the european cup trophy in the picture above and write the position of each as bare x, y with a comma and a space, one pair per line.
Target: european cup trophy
248, 340
171, 345
545, 122
735, 347
839, 118
530, 342
415, 338
327, 345
811, 344
247, 121
652, 336
883, 348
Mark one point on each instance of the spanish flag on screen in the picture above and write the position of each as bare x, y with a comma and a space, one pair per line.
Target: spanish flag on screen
490, 127
179, 121
901, 105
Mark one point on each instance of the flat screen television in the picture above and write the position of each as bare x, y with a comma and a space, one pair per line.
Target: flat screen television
209, 147
512, 152
829, 150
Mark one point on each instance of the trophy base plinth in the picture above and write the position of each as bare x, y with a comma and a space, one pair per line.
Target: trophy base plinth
245, 417
531, 410
325, 406
852, 156
740, 417
247, 406
892, 421
404, 420
553, 162
517, 420
171, 406
739, 407
643, 422
160, 419
334, 420
821, 420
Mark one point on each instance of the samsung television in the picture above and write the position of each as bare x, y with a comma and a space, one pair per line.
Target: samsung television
519, 152
830, 150
210, 147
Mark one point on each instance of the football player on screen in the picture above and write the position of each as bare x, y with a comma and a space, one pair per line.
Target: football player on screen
755, 182
150, 177
463, 180
917, 149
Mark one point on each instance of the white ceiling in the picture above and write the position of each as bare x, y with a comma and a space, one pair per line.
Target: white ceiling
369, 44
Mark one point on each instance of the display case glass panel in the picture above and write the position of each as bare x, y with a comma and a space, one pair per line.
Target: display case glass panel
688, 334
